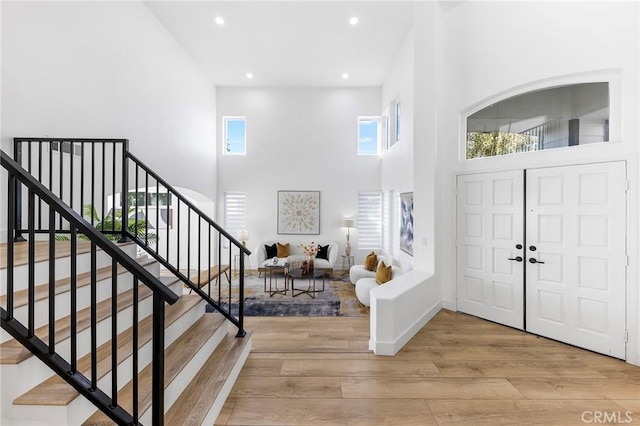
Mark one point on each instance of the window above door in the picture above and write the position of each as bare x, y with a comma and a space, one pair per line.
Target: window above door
555, 117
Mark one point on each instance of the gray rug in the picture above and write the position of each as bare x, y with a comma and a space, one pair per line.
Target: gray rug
338, 299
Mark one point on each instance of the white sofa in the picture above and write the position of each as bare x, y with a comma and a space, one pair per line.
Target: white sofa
366, 284
359, 271
297, 254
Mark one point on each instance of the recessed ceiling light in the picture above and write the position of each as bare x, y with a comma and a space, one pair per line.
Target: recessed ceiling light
249, 75
219, 20
345, 76
353, 20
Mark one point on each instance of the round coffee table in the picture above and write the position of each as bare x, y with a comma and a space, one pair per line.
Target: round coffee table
311, 284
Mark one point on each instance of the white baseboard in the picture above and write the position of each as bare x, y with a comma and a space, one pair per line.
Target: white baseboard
449, 305
390, 348
634, 358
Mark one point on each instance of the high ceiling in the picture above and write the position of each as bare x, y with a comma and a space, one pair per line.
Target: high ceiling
289, 43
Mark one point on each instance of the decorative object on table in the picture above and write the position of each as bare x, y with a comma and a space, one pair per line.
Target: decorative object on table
299, 212
243, 236
310, 250
406, 222
348, 223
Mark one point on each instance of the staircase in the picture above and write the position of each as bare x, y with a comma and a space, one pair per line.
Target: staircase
93, 333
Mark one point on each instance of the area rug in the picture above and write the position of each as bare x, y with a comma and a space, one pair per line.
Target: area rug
337, 300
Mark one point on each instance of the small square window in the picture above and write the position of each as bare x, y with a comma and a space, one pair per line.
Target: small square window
235, 136
368, 135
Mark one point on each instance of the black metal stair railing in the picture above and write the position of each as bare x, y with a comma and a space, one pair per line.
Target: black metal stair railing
195, 252
129, 201
23, 325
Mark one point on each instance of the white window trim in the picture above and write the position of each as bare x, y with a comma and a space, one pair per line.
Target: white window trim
613, 77
225, 119
385, 130
397, 120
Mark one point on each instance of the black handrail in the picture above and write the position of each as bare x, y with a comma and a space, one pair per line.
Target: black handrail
174, 266
88, 387
189, 204
103, 166
93, 166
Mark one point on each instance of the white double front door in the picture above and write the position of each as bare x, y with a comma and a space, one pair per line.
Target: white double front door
544, 250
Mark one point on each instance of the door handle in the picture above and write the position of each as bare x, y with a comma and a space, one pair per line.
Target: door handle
532, 260
517, 258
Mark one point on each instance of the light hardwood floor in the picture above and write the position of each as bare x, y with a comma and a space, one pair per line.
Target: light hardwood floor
458, 370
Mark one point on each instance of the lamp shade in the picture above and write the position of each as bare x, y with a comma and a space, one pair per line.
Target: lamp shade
243, 235
348, 223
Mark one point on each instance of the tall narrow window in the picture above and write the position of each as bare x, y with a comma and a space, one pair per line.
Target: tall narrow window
369, 220
368, 135
235, 136
235, 213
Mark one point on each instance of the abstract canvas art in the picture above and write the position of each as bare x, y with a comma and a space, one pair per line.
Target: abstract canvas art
406, 222
299, 212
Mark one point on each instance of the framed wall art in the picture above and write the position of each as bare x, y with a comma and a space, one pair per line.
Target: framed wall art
406, 222
299, 212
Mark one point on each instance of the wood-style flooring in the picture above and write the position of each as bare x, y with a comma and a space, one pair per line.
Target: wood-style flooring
457, 370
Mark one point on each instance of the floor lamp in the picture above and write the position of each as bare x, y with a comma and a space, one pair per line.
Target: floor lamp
348, 223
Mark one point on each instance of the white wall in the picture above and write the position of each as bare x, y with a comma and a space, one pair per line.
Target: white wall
397, 161
107, 70
410, 164
298, 139
496, 49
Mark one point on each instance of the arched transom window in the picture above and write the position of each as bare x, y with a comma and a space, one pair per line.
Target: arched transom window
562, 116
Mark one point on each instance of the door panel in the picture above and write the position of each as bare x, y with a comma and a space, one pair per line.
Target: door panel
489, 225
576, 218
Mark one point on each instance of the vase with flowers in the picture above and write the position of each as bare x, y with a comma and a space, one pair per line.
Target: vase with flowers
310, 250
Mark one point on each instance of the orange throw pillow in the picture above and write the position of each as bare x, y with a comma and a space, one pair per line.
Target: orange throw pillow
383, 274
370, 261
283, 250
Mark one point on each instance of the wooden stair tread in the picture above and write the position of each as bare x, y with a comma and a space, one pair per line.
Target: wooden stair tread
177, 355
63, 285
196, 399
12, 352
56, 391
62, 249
208, 275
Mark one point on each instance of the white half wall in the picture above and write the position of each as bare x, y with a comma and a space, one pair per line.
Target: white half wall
107, 70
298, 139
399, 310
